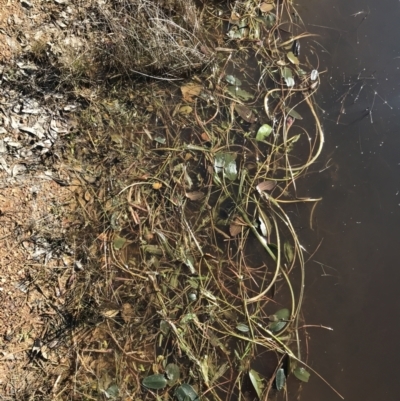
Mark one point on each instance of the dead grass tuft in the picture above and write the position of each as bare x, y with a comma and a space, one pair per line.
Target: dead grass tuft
151, 37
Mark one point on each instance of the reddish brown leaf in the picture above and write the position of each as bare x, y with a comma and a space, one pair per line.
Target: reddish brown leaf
245, 113
266, 185
205, 137
235, 229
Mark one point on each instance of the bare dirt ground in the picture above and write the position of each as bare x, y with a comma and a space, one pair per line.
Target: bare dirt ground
33, 218
11, 12
25, 208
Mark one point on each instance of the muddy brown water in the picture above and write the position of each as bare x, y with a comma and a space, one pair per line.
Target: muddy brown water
358, 221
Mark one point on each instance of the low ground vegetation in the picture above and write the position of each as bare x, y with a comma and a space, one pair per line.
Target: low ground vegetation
156, 146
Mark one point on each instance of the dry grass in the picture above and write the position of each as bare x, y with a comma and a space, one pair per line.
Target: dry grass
152, 37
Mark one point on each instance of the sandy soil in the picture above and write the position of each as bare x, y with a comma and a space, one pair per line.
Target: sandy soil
33, 213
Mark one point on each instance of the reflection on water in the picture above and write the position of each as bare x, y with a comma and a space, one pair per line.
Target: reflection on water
357, 290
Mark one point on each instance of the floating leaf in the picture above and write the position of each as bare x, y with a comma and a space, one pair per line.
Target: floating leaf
226, 163
205, 137
288, 77
231, 171
191, 91
192, 296
160, 139
233, 80
280, 379
220, 161
243, 327
113, 391
157, 185
279, 320
266, 7
185, 392
173, 373
314, 75
292, 58
188, 260
289, 82
220, 372
263, 132
189, 317
256, 382
266, 227
294, 138
239, 93
110, 312
266, 185
293, 113
302, 374
118, 242
185, 110
193, 283
245, 113
288, 250
127, 312
234, 229
155, 382
236, 33
270, 20
152, 249
195, 195
164, 327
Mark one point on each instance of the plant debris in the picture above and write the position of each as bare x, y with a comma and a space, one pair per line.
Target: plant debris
157, 272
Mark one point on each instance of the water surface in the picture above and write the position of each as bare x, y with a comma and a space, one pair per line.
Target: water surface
358, 221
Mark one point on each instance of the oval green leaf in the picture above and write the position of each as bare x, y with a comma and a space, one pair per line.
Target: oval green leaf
280, 320
173, 373
231, 79
243, 327
118, 242
164, 327
185, 110
239, 93
288, 252
293, 113
288, 77
226, 163
263, 132
292, 58
155, 382
160, 139
185, 392
280, 379
256, 382
231, 171
287, 73
112, 391
302, 374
